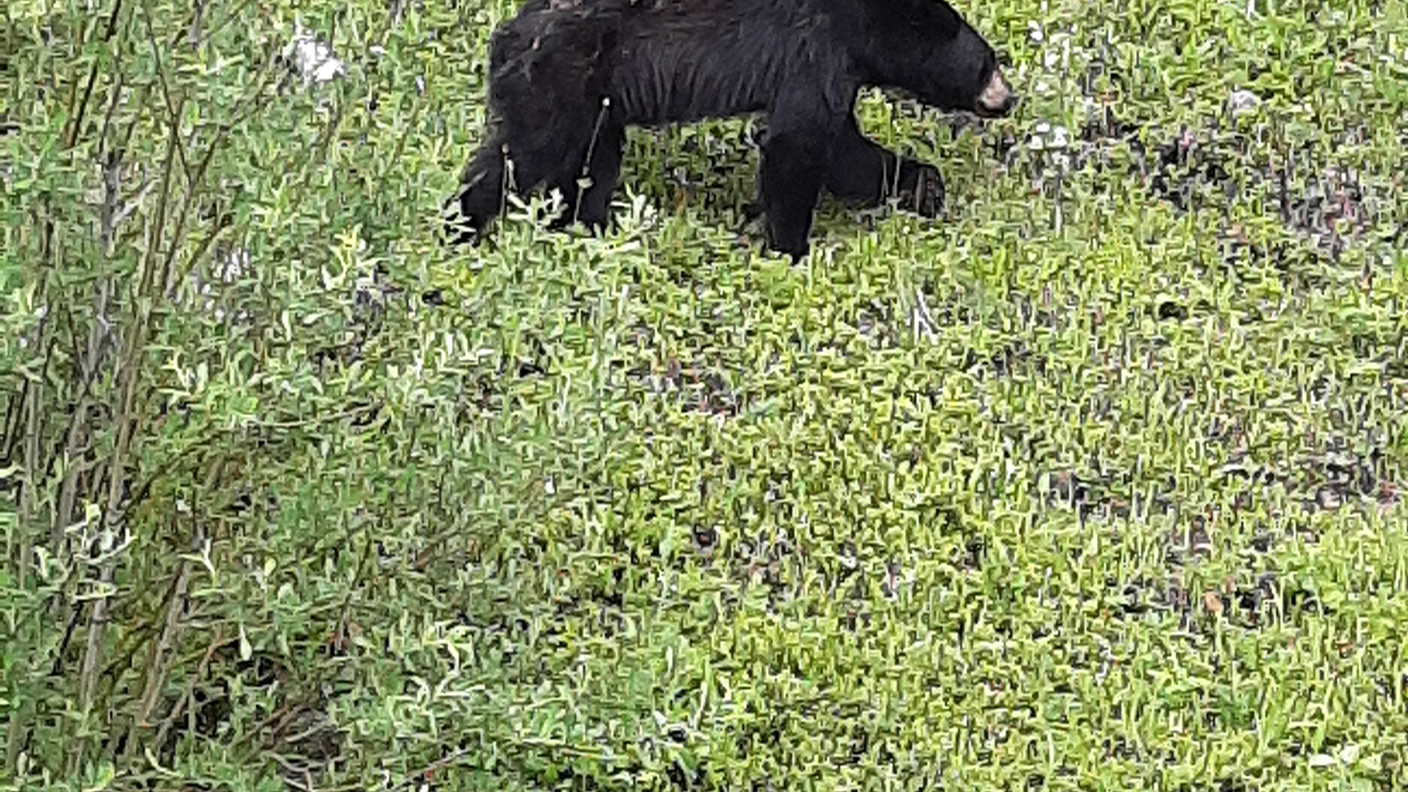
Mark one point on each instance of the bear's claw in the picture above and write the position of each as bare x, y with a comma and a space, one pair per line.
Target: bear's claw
925, 197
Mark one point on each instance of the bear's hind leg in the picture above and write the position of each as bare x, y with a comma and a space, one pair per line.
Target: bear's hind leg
865, 173
480, 196
503, 165
597, 159
604, 170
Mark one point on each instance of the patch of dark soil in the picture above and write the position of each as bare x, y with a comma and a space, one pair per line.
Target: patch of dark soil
1325, 203
1340, 475
768, 561
265, 506
293, 724
1176, 170
1098, 493
1015, 357
876, 322
696, 387
1106, 127
1329, 206
1137, 597
1250, 597
1325, 479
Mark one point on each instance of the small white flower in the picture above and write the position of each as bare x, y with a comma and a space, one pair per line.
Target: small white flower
1242, 101
313, 59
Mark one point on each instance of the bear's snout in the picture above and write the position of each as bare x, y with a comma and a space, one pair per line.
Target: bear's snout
997, 98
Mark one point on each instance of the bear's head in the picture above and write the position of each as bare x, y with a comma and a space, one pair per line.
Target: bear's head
926, 49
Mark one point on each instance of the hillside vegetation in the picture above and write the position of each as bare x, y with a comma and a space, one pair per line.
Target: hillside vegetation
1097, 482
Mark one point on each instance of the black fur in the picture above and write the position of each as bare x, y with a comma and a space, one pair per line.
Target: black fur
566, 77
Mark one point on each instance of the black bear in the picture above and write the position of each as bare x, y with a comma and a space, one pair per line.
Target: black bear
566, 77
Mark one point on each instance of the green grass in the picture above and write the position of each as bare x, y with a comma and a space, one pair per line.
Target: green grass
1094, 483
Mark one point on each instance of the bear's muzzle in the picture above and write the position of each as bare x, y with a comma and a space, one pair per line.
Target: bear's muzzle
997, 98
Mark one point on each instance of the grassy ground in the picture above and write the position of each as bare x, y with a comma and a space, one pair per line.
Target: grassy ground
1095, 483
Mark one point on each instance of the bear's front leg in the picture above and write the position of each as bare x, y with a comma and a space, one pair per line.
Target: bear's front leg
865, 173
791, 176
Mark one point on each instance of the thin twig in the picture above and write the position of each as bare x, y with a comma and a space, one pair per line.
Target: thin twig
185, 701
